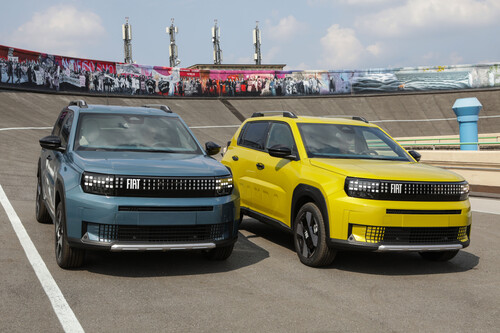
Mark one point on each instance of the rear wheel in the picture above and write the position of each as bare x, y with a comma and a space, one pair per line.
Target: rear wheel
310, 237
66, 256
439, 255
220, 253
41, 213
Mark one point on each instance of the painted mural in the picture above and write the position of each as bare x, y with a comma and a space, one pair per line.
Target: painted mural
41, 71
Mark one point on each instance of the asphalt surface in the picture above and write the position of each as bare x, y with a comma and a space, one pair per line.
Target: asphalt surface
261, 287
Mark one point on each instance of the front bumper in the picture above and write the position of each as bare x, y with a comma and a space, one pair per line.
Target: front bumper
361, 246
389, 226
150, 224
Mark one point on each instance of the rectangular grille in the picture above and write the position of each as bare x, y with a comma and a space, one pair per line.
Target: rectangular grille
420, 191
374, 234
161, 234
166, 187
395, 235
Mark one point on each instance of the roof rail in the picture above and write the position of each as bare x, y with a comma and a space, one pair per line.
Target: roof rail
80, 103
359, 118
158, 106
286, 114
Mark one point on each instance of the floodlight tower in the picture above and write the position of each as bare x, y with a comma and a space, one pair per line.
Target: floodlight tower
172, 49
216, 42
127, 41
256, 43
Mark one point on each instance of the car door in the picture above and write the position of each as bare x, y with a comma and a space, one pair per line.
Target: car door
277, 176
245, 170
50, 160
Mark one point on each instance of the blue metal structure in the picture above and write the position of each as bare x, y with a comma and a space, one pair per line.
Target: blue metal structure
467, 111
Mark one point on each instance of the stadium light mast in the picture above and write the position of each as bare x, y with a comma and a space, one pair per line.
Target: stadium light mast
172, 49
127, 41
257, 56
216, 42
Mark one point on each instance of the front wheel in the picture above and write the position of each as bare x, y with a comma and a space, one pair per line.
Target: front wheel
439, 255
310, 237
66, 256
220, 253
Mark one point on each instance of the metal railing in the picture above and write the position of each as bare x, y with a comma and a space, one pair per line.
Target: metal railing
436, 142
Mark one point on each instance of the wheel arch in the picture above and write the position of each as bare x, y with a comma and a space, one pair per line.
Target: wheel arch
303, 194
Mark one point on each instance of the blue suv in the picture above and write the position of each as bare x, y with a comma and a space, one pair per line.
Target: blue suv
133, 179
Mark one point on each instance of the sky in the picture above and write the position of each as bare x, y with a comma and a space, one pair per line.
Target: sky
303, 34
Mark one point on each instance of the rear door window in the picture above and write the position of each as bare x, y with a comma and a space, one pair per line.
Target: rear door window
254, 135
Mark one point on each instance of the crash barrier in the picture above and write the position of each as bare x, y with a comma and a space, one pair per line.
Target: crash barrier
41, 71
489, 142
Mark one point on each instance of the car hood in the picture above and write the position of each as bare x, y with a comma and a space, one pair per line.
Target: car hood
149, 164
387, 170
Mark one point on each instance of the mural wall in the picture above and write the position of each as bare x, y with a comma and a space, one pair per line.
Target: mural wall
43, 71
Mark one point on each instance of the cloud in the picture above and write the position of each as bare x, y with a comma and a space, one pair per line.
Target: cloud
60, 30
287, 28
341, 48
416, 16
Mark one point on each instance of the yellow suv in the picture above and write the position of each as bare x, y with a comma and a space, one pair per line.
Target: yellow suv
346, 184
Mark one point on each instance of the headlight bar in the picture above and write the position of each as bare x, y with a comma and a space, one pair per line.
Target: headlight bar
145, 186
406, 190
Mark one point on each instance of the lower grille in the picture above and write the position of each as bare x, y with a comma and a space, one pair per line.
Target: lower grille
395, 235
159, 234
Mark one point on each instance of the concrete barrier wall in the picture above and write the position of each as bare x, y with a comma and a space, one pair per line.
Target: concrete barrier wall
402, 115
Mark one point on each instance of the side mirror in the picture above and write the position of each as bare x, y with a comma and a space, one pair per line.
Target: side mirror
281, 152
212, 148
415, 154
51, 142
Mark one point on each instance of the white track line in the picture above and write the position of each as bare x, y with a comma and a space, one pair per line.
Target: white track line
484, 205
61, 307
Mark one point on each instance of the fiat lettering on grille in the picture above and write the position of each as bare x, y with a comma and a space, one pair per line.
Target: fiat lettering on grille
133, 184
396, 188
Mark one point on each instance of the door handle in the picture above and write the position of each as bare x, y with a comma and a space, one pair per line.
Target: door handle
49, 157
235, 158
260, 166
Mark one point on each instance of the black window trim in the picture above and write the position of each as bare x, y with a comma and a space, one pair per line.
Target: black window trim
245, 129
296, 150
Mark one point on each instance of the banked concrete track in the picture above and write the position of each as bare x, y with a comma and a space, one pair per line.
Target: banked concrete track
422, 114
182, 292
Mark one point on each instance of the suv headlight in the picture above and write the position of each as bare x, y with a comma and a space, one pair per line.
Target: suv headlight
224, 185
97, 183
362, 188
464, 193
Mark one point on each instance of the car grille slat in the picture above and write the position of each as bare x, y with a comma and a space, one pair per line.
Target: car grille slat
420, 191
165, 187
162, 234
416, 235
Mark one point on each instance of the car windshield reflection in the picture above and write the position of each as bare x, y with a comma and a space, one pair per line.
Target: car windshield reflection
350, 142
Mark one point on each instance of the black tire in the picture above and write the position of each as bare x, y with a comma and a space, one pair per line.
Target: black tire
439, 255
66, 256
41, 212
220, 253
310, 237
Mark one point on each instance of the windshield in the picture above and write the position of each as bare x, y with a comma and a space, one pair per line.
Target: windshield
348, 141
126, 132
